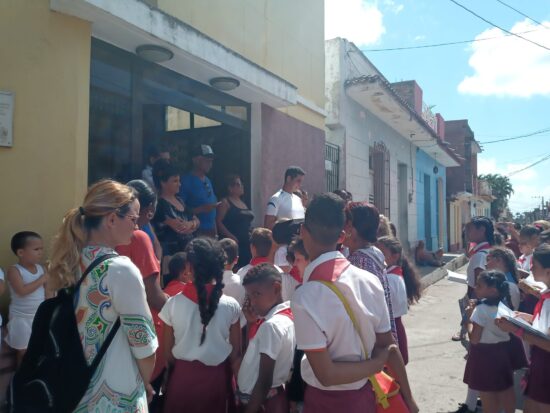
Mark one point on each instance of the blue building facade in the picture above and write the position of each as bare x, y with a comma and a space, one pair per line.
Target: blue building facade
431, 201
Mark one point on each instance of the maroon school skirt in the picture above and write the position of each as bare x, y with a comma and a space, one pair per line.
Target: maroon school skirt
489, 367
538, 378
194, 387
402, 338
348, 401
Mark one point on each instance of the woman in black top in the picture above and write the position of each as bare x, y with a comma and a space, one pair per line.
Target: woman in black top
234, 218
173, 224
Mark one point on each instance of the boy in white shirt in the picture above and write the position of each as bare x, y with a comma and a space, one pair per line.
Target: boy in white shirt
268, 359
335, 366
232, 282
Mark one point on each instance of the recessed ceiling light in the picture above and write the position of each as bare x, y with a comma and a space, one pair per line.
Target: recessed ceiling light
224, 83
154, 53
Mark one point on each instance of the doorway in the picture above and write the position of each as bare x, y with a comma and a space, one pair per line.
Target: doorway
403, 205
136, 104
428, 212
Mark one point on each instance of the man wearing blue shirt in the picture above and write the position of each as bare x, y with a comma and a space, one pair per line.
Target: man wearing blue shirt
197, 191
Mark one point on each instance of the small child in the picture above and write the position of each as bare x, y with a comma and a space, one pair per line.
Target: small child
528, 241
503, 259
538, 380
179, 274
26, 281
266, 364
299, 258
283, 232
261, 243
202, 335
232, 282
404, 284
490, 366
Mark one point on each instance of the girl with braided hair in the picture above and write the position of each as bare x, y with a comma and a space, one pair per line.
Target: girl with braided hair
202, 335
490, 366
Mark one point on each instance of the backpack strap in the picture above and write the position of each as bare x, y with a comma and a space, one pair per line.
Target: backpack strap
114, 329
381, 396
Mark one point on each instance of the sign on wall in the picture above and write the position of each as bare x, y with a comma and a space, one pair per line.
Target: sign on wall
6, 118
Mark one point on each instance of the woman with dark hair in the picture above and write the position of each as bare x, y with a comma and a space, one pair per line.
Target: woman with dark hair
202, 335
173, 224
362, 220
234, 218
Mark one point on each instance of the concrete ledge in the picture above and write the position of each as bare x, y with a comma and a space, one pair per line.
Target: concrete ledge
440, 273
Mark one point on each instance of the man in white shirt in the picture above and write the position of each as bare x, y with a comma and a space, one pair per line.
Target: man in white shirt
284, 204
154, 153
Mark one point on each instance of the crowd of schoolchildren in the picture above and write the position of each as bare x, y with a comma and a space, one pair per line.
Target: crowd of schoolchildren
322, 334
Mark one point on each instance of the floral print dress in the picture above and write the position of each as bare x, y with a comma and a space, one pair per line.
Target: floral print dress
114, 290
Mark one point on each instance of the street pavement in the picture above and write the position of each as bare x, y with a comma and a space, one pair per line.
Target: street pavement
436, 362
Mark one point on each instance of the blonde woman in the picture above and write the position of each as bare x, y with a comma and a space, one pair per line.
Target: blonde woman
106, 219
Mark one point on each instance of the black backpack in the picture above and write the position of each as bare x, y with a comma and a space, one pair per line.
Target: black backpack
54, 375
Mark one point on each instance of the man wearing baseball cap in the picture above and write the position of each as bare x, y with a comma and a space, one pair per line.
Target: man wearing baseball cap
197, 191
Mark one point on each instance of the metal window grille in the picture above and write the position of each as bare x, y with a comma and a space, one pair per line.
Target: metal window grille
332, 166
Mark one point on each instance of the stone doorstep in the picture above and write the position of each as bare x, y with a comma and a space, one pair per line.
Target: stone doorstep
441, 272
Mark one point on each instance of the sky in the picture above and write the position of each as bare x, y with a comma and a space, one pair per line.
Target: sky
501, 85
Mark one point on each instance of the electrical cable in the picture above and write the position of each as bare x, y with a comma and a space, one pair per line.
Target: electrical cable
516, 137
544, 158
523, 14
390, 49
497, 26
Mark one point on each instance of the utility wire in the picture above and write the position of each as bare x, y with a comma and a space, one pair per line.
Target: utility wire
523, 14
497, 26
544, 158
425, 46
517, 137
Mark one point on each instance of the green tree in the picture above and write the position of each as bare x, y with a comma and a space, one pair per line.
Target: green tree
502, 189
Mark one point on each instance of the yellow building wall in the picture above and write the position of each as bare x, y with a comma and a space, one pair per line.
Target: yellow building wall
45, 61
285, 37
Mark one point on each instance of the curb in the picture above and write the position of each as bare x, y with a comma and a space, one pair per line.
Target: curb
440, 273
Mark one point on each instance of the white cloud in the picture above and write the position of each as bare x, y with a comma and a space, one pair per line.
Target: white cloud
393, 6
420, 37
359, 21
527, 185
510, 66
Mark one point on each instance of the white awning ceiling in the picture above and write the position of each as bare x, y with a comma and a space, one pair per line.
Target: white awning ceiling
375, 96
128, 24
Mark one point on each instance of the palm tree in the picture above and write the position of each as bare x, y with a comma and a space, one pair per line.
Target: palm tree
502, 189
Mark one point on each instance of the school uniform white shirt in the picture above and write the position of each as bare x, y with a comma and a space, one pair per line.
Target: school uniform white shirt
542, 321
275, 338
398, 292
515, 295
285, 205
484, 315
182, 314
321, 321
477, 260
525, 262
288, 283
233, 286
280, 256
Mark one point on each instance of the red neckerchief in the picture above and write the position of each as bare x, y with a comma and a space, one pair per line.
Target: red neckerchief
190, 291
174, 287
258, 260
482, 246
538, 307
329, 270
396, 270
256, 326
295, 273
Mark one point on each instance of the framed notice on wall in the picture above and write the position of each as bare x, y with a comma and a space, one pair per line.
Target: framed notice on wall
6, 118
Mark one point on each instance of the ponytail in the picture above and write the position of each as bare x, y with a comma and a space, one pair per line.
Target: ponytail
412, 281
496, 279
410, 275
207, 259
102, 199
